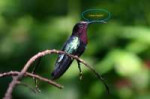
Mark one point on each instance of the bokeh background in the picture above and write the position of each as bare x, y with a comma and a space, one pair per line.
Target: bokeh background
119, 50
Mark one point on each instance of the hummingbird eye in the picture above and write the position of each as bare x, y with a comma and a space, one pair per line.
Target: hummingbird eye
81, 26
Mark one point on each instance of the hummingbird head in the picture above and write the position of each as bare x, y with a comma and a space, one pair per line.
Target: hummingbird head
80, 28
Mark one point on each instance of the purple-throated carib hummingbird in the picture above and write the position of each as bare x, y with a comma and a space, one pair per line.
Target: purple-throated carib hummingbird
75, 45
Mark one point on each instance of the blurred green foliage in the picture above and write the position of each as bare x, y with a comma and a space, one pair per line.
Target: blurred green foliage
120, 49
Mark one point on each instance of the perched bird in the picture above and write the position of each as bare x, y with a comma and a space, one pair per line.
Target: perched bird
75, 45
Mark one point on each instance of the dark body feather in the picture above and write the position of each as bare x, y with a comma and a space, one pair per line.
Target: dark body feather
65, 62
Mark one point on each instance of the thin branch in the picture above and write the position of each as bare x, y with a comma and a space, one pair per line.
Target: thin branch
26, 85
35, 57
16, 73
34, 71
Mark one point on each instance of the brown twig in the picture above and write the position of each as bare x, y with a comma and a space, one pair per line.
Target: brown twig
35, 57
26, 85
34, 71
16, 73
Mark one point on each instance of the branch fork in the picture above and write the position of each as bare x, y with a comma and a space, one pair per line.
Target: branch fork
17, 76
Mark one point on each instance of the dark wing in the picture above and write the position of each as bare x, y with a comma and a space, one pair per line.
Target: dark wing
63, 62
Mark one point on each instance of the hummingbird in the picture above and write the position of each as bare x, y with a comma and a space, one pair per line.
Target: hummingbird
75, 45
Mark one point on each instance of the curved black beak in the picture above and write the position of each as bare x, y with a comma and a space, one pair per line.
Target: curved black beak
100, 22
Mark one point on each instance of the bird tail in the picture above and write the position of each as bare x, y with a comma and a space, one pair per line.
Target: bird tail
61, 66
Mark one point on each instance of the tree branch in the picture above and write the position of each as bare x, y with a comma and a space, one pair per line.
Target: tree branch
8, 94
16, 73
26, 85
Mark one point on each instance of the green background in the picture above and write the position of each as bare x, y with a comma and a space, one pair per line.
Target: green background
119, 50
